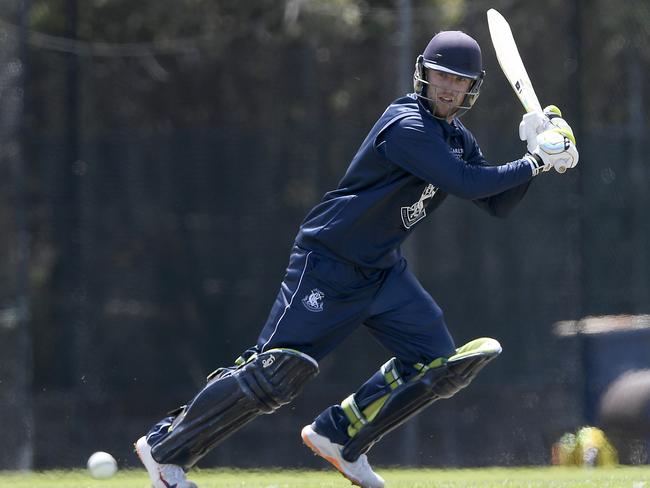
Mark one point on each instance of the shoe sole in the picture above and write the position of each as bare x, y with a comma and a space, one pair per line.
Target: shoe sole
333, 461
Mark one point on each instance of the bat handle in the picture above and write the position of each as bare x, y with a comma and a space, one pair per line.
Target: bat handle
561, 169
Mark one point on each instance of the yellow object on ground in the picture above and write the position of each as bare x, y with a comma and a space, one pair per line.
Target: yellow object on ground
589, 446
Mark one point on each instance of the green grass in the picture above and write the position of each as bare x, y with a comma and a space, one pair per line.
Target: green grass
624, 477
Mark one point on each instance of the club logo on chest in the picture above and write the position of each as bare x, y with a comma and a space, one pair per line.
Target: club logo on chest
416, 212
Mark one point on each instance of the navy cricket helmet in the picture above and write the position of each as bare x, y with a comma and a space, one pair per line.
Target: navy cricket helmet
452, 52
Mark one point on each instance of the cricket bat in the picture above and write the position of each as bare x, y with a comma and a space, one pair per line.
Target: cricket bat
511, 63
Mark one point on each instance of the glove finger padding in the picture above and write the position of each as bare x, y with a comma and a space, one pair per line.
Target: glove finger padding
562, 126
555, 121
552, 111
556, 150
531, 125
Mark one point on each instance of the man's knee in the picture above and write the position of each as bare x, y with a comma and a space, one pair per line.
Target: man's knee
232, 398
469, 360
445, 378
276, 377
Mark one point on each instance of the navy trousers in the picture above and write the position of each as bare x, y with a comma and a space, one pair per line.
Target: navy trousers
322, 300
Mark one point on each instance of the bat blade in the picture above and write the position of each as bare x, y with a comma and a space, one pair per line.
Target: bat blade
510, 61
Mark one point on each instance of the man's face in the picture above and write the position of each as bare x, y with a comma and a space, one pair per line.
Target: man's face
448, 91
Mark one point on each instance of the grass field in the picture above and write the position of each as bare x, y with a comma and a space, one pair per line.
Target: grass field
624, 477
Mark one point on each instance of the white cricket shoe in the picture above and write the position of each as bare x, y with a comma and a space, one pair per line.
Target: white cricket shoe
161, 475
359, 472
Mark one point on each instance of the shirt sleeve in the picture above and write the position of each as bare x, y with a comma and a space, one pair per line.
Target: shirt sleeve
424, 152
501, 204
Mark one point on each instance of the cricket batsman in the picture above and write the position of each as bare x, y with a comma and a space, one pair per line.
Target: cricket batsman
346, 269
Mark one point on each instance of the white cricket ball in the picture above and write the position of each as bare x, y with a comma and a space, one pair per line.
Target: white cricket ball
101, 465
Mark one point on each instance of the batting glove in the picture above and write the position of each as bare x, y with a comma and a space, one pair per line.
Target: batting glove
554, 150
534, 123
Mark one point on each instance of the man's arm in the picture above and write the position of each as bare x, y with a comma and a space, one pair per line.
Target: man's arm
501, 204
424, 152
543, 132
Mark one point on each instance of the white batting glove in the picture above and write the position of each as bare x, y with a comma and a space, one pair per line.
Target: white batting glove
554, 150
534, 123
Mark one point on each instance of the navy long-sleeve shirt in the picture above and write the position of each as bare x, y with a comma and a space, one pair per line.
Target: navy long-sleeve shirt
404, 169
